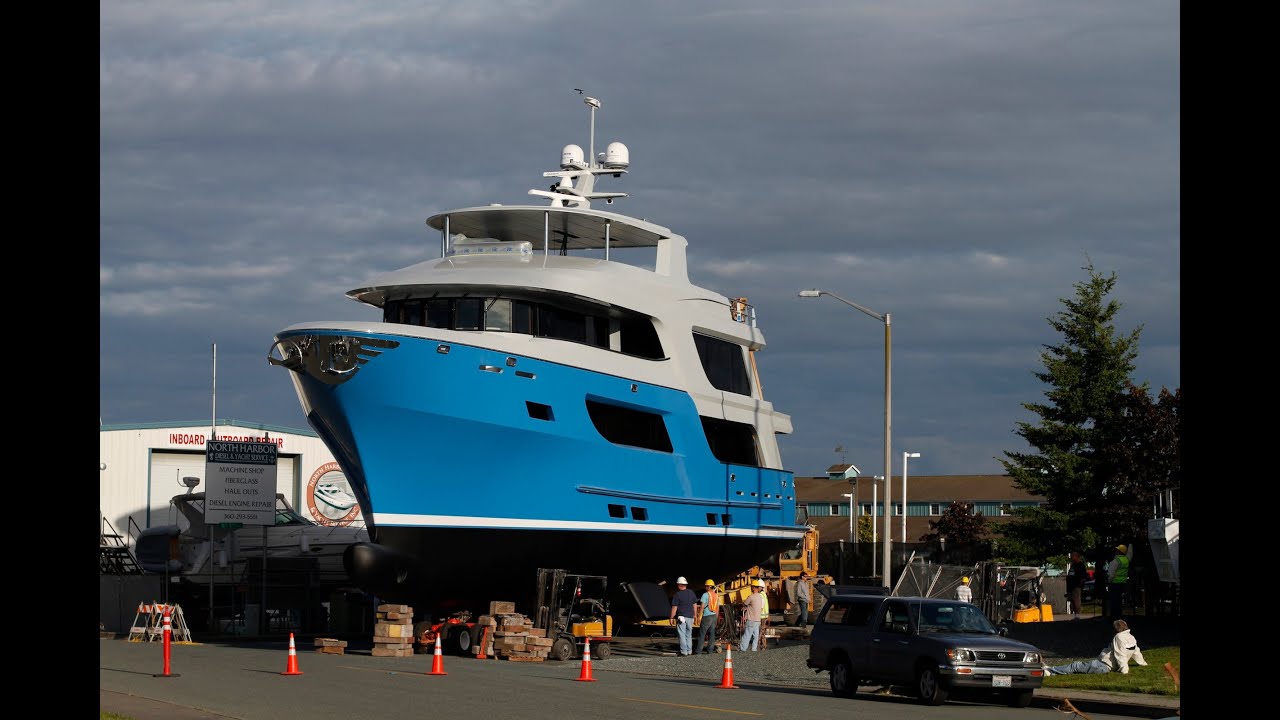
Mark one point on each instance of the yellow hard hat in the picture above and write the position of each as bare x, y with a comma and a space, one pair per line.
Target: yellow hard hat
1122, 548
964, 580
710, 582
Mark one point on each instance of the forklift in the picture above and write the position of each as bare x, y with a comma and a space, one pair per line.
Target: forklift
573, 608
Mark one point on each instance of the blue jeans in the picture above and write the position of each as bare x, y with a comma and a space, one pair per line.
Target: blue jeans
1080, 667
750, 635
804, 612
684, 631
706, 630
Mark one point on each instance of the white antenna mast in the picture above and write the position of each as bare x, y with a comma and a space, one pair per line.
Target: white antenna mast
594, 104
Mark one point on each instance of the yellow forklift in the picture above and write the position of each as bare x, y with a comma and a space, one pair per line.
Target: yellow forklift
573, 608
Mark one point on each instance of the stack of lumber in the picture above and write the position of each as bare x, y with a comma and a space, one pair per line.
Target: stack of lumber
393, 631
512, 635
331, 646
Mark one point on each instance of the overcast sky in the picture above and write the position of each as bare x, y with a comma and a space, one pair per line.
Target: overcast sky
953, 163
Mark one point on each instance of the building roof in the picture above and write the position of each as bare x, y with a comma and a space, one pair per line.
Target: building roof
920, 488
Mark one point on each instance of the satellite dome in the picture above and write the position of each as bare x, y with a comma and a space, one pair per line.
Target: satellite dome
571, 158
617, 157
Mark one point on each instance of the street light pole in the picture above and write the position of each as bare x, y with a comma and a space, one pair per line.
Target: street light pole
888, 423
905, 455
875, 504
850, 496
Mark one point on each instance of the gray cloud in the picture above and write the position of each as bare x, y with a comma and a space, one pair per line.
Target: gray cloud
954, 164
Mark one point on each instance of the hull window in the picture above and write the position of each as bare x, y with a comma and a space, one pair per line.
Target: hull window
724, 364
624, 426
731, 442
538, 411
617, 511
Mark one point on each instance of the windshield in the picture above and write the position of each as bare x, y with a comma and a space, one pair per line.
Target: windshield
953, 617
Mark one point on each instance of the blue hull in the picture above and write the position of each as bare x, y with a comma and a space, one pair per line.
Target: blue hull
478, 461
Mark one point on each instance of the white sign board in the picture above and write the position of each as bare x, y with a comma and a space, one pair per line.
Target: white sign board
240, 482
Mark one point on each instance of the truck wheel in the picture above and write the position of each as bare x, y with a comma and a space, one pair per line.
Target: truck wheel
601, 651
1020, 698
929, 686
562, 649
843, 683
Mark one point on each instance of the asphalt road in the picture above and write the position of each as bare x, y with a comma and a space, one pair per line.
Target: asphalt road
245, 682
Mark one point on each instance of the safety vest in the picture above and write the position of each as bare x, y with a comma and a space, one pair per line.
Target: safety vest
1122, 569
713, 601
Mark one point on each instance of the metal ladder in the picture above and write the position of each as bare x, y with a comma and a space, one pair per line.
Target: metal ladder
114, 555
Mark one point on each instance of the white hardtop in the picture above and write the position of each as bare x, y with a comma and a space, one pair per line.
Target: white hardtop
562, 227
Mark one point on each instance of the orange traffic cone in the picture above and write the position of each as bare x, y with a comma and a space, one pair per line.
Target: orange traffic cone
726, 680
585, 675
292, 667
437, 662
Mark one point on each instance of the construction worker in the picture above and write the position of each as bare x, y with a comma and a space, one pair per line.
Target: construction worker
1117, 581
803, 596
764, 612
751, 614
709, 603
963, 592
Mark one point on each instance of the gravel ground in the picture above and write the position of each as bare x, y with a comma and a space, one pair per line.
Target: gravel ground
782, 665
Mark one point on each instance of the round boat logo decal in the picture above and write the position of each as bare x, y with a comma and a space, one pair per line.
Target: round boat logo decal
329, 496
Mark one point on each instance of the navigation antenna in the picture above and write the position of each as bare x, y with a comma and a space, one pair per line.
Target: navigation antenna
595, 105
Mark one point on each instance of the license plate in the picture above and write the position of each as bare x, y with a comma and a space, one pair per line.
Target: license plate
1001, 681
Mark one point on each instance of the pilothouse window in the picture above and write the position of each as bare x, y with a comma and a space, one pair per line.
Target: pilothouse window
724, 364
614, 328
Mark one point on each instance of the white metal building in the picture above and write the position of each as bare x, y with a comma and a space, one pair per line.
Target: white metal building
142, 467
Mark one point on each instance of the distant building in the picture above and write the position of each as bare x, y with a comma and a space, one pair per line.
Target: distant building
928, 497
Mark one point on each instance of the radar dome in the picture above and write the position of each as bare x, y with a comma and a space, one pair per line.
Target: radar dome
617, 157
571, 158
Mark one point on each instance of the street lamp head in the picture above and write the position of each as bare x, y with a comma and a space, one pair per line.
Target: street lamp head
911, 455
848, 495
810, 293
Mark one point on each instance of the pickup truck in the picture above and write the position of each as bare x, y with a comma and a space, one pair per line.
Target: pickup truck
932, 646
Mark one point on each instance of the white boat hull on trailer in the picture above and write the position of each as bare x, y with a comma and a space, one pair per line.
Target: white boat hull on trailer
516, 407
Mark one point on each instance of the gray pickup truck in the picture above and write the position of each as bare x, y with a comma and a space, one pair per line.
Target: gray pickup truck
930, 645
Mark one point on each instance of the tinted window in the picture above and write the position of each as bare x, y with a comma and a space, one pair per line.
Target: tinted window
439, 312
625, 426
468, 313
723, 363
851, 612
497, 315
731, 442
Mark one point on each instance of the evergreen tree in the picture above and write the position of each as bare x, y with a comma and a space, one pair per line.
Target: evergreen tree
1075, 466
